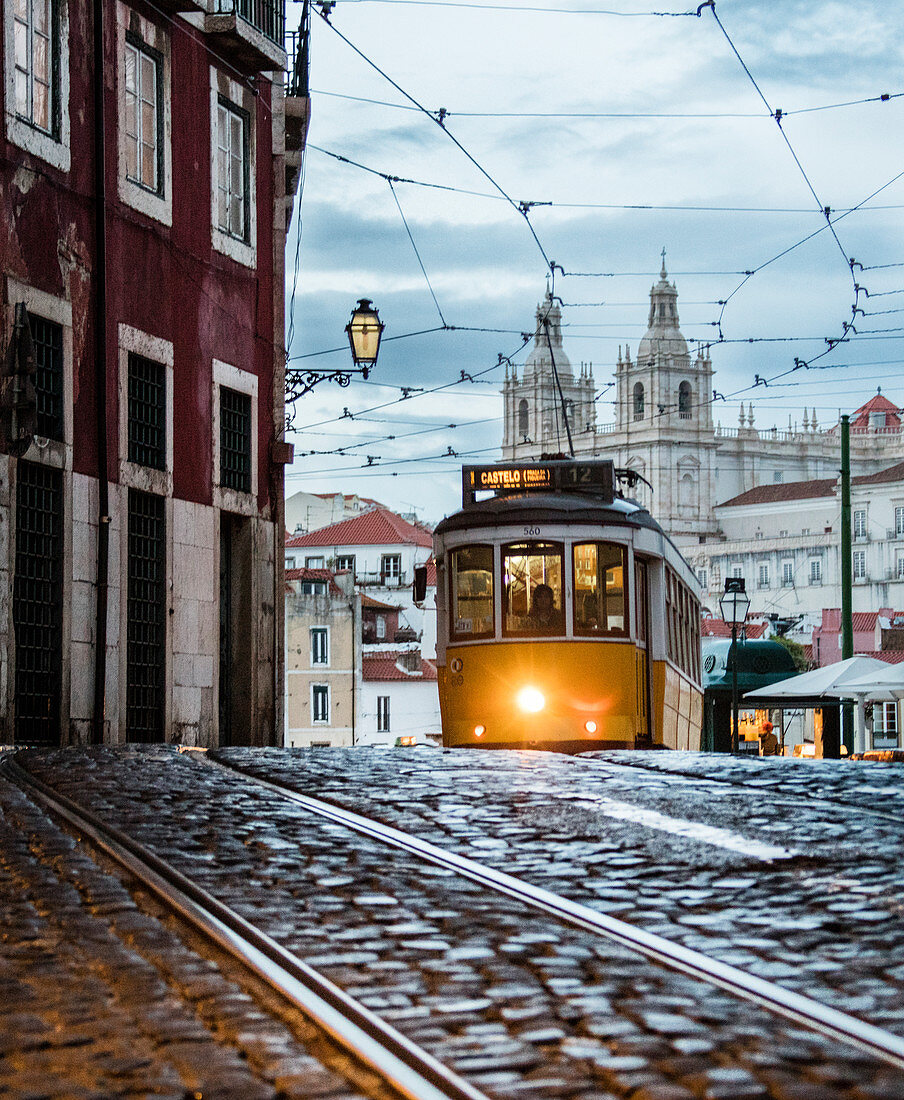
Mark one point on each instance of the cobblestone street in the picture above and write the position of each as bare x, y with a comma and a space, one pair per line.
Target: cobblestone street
782, 868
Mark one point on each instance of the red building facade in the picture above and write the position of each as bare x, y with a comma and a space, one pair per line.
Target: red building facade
145, 204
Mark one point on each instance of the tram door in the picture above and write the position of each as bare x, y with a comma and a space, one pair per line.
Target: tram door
644, 677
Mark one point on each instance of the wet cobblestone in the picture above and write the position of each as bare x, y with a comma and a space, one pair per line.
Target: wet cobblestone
98, 999
524, 1006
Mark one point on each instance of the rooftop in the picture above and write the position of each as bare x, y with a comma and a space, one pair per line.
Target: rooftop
377, 527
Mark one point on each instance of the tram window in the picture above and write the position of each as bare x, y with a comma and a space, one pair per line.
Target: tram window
533, 574
599, 589
472, 592
640, 599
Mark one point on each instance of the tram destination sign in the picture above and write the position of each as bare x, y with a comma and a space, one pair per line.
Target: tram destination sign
596, 476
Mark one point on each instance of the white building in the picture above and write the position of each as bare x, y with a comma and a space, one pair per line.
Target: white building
784, 539
398, 699
310, 511
664, 430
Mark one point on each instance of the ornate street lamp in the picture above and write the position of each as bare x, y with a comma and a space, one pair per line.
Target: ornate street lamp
364, 331
734, 605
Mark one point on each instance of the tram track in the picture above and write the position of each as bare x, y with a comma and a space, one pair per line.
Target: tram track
516, 999
408, 1071
768, 995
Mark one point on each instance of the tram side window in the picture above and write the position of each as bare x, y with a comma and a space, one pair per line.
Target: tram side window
599, 589
472, 592
683, 626
532, 605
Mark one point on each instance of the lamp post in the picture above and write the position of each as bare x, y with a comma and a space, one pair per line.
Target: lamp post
734, 604
364, 331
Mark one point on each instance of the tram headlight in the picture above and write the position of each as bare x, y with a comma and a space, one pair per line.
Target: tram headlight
479, 731
531, 700
590, 726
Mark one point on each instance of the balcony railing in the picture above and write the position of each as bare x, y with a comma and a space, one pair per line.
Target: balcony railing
266, 16
297, 45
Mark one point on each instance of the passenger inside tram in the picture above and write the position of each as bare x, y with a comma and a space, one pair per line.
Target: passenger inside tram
545, 617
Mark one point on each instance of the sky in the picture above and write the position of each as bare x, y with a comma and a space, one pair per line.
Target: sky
624, 130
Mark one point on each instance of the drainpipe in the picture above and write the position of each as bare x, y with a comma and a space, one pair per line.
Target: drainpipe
100, 374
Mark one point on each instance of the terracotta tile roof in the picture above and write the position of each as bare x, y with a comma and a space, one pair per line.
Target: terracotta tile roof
369, 601
864, 620
384, 667
377, 527
718, 628
789, 490
877, 403
890, 656
314, 575
892, 473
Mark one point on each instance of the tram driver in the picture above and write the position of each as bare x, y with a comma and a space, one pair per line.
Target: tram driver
545, 617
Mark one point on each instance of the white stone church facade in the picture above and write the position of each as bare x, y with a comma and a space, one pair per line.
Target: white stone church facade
664, 431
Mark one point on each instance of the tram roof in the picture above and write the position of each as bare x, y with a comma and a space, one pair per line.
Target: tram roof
571, 508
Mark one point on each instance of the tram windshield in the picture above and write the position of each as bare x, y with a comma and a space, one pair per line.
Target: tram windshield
532, 603
599, 588
472, 592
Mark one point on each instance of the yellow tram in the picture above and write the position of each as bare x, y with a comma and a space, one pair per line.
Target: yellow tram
566, 618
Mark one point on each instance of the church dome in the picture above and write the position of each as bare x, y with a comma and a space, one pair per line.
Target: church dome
539, 360
663, 336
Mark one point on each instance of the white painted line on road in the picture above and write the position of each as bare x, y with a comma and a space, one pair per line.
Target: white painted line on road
676, 826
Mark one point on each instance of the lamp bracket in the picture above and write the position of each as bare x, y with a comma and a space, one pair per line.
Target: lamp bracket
300, 382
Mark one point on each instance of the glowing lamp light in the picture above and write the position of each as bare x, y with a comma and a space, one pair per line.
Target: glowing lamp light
479, 731
590, 726
364, 332
531, 700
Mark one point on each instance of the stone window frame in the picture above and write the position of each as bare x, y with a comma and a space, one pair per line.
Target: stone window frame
241, 98
153, 40
53, 147
243, 381
321, 691
146, 478
316, 633
48, 452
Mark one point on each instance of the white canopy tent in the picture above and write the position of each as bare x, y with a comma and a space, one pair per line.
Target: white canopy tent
885, 683
832, 681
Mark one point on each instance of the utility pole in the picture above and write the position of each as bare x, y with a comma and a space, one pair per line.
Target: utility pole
847, 617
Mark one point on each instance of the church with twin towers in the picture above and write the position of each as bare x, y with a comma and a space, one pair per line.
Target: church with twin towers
664, 429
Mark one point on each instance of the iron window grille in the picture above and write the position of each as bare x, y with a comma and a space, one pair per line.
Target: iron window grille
320, 698
233, 169
144, 114
38, 604
383, 713
235, 440
47, 337
146, 618
37, 63
268, 16
147, 412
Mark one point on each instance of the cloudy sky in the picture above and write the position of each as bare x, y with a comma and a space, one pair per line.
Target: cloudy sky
631, 130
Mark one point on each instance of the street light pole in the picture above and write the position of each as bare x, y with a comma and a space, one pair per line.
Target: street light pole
734, 604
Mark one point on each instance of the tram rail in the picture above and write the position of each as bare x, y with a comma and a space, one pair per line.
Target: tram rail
796, 1007
406, 1069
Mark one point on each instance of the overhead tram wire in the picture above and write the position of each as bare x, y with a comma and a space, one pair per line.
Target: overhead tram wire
522, 208
417, 253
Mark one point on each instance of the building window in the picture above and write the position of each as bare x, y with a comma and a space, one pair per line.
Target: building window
320, 702
383, 714
345, 563
47, 338
885, 725
899, 566
787, 574
762, 575
391, 568
860, 524
777, 477
314, 563
320, 645
37, 61
233, 169
313, 588
701, 578
684, 401
859, 562
381, 626
143, 128
235, 440
815, 571
146, 618
638, 401
737, 570
899, 521
523, 418
147, 412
